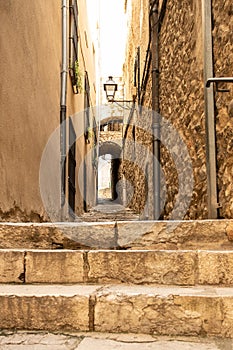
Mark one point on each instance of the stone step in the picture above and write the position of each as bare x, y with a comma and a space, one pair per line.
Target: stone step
158, 310
198, 234
170, 267
106, 212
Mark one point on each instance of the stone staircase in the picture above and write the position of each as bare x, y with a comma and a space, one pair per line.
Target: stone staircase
108, 210
161, 278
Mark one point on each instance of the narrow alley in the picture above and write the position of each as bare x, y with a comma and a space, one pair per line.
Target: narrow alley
116, 158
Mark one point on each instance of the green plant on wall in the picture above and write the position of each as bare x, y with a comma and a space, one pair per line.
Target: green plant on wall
77, 77
90, 133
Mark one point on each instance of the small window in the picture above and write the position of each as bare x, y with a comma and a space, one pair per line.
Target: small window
87, 109
125, 7
137, 72
86, 40
133, 133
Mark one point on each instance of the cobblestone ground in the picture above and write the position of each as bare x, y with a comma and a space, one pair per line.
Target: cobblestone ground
108, 210
50, 341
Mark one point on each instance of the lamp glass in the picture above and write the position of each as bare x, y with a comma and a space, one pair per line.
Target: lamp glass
110, 87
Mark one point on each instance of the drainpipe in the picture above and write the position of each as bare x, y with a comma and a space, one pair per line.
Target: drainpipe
63, 102
209, 111
154, 18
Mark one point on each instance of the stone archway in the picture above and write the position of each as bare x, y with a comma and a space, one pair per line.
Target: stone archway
110, 147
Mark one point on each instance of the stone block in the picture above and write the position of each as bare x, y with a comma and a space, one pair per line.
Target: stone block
11, 266
162, 267
198, 234
57, 235
54, 266
90, 234
229, 230
163, 310
31, 236
53, 308
215, 267
227, 324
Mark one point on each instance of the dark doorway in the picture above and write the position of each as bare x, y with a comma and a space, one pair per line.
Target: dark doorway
109, 170
71, 168
115, 177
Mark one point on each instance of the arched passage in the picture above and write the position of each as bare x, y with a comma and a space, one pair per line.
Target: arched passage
113, 149
110, 147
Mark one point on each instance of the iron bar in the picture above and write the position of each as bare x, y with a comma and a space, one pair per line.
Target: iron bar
218, 80
63, 103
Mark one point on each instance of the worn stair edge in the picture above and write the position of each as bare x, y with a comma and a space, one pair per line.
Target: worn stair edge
169, 267
158, 310
166, 267
187, 234
58, 235
165, 310
52, 308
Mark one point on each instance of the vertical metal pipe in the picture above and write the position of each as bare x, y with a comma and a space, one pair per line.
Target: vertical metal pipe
209, 111
98, 97
155, 106
63, 102
64, 54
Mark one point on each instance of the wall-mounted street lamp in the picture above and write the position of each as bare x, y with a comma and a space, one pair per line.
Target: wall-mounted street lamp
110, 87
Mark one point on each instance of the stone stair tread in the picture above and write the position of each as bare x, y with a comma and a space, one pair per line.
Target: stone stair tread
118, 251
160, 310
163, 290
200, 234
173, 279
171, 267
206, 234
39, 290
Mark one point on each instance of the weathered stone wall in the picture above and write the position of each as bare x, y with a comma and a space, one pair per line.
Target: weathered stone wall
110, 136
137, 162
30, 69
138, 33
181, 101
182, 97
29, 98
223, 65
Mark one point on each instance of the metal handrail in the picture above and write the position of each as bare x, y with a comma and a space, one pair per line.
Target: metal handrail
219, 80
